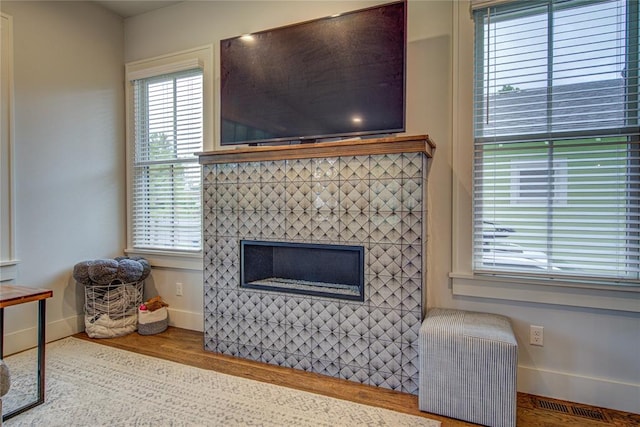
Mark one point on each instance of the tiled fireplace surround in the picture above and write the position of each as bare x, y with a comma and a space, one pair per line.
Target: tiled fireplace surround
371, 193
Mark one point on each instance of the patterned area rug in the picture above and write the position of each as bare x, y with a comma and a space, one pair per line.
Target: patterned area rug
94, 385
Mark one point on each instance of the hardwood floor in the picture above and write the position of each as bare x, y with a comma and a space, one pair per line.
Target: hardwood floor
184, 346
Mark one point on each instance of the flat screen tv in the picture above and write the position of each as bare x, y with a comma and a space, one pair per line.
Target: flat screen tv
339, 76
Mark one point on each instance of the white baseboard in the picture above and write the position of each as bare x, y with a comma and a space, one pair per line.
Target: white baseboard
186, 319
24, 339
600, 392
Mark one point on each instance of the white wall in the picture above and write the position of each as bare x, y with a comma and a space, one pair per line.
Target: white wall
69, 159
589, 356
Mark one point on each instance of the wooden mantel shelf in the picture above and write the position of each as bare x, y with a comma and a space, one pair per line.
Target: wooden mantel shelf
360, 147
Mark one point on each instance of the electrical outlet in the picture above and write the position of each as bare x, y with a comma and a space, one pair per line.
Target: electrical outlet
536, 335
179, 289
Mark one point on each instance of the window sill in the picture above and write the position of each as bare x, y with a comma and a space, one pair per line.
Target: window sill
606, 297
167, 259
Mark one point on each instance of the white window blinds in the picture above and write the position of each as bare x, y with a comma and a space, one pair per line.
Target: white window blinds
168, 128
556, 149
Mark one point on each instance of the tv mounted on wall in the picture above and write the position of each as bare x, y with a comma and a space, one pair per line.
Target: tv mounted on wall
339, 76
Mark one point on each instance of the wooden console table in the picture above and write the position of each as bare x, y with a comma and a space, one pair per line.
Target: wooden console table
14, 295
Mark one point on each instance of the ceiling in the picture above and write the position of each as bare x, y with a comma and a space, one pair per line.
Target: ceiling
128, 8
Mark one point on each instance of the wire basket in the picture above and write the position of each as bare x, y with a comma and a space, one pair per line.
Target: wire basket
112, 310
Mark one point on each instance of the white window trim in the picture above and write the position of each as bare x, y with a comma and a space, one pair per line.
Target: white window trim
8, 261
464, 281
201, 57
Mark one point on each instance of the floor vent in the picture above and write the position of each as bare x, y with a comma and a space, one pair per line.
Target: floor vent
592, 414
588, 413
553, 406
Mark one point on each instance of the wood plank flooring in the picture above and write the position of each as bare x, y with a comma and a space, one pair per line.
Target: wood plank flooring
185, 346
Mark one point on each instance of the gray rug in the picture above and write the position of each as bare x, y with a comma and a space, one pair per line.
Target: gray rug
90, 384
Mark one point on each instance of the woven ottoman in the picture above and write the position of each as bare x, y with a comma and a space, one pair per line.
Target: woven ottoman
468, 364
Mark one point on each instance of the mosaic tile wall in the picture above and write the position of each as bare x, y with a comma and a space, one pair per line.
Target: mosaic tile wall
376, 201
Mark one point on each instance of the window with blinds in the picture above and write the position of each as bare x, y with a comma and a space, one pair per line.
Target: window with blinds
556, 140
168, 131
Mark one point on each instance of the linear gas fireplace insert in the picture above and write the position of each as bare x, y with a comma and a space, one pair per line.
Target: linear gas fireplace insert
334, 271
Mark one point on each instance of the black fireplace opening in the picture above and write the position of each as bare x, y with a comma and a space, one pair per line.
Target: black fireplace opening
334, 271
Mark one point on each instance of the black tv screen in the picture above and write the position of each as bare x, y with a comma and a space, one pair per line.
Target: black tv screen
337, 76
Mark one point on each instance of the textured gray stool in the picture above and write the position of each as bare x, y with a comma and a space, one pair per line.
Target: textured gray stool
468, 364
5, 383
